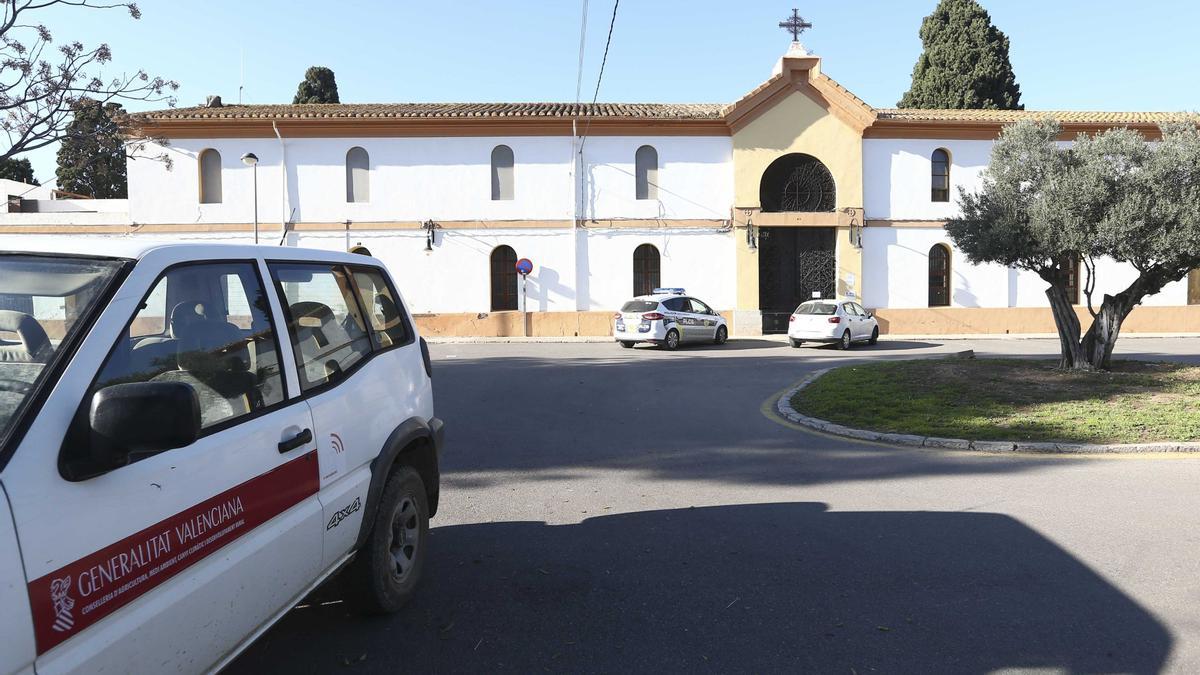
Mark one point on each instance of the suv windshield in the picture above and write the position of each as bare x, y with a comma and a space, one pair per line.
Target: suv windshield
639, 306
820, 308
42, 302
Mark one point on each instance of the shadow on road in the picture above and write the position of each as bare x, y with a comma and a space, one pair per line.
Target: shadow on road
754, 588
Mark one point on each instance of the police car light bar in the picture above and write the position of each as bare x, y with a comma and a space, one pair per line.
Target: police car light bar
671, 291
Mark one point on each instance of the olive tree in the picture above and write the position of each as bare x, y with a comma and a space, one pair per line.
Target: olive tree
1113, 195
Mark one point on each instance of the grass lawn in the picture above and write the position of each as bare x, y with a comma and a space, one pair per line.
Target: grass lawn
1008, 399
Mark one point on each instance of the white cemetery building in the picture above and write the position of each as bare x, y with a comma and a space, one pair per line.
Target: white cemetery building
754, 205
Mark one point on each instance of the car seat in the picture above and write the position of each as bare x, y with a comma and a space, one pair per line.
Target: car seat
34, 345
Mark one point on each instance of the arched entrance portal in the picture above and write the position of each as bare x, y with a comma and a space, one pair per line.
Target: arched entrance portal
797, 182
795, 263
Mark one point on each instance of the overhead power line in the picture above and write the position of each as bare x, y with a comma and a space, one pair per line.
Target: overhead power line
600, 78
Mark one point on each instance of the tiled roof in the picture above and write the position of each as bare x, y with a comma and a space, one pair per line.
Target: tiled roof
652, 111
1007, 116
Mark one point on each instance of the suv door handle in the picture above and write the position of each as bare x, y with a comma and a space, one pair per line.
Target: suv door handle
296, 441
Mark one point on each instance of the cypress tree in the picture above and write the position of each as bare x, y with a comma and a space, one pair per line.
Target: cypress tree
318, 86
965, 62
91, 159
18, 170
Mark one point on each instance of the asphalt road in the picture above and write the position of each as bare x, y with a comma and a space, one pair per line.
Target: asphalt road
609, 510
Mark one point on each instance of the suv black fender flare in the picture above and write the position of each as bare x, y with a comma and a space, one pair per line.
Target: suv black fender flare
414, 443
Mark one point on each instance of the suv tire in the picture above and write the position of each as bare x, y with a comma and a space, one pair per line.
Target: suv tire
672, 341
796, 343
384, 574
874, 337
722, 335
845, 342
626, 344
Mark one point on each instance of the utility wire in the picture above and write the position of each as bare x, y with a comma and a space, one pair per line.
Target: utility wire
600, 77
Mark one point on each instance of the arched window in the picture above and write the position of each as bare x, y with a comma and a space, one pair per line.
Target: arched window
502, 173
210, 177
645, 171
504, 279
646, 266
939, 276
797, 182
940, 176
358, 171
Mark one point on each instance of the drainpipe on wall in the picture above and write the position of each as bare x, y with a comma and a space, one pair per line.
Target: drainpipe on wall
283, 183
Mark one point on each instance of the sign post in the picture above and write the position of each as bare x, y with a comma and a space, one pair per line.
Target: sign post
524, 267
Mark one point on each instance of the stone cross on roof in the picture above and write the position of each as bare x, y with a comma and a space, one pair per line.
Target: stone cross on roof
795, 25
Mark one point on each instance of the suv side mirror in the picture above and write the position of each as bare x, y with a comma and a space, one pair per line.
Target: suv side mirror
142, 419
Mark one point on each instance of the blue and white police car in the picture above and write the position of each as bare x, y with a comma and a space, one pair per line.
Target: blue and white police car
668, 317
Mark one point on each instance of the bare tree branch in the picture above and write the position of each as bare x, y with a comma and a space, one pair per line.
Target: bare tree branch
39, 90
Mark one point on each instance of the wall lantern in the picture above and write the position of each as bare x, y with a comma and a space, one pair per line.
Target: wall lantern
856, 227
430, 238
751, 239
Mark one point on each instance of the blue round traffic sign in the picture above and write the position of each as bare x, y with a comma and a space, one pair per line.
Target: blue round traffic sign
524, 266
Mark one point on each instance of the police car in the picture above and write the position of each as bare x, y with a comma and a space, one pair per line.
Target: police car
192, 438
668, 317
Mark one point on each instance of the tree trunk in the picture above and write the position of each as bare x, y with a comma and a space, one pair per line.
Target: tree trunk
1101, 337
1067, 323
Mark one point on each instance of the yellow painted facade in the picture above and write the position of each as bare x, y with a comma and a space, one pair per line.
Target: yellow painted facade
795, 117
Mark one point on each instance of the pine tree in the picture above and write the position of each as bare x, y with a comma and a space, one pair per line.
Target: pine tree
965, 62
91, 159
318, 86
18, 170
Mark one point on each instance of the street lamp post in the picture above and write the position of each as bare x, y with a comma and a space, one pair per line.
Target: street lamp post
251, 160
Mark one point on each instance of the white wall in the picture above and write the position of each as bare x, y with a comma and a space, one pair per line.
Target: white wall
896, 176
455, 276
695, 178
701, 261
434, 178
896, 268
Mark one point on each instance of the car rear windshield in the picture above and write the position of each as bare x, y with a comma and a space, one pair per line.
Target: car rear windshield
639, 306
820, 308
43, 300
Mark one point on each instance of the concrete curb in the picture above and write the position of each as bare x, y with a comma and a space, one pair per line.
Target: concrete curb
784, 407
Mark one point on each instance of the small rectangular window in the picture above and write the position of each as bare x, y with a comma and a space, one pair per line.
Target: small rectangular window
329, 335
383, 308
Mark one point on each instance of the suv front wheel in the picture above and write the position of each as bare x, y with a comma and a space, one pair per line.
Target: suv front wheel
384, 575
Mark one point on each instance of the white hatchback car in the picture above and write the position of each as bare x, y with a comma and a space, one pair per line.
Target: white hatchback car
193, 437
668, 317
837, 321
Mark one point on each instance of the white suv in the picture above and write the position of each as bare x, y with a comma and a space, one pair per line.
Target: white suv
668, 317
192, 438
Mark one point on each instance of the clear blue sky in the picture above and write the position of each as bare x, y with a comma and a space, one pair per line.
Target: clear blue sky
1067, 54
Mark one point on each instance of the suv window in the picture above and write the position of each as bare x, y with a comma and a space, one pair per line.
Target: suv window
217, 337
327, 330
676, 304
382, 306
698, 307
